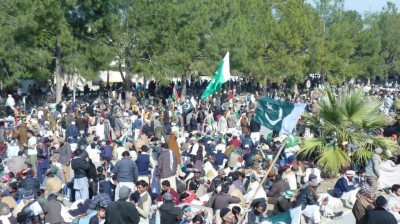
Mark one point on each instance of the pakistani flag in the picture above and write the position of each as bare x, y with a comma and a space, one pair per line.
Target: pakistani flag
175, 94
278, 115
188, 106
222, 75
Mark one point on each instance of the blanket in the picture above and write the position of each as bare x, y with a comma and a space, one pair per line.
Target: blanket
390, 174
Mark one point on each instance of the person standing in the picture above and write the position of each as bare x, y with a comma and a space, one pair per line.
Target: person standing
80, 166
167, 166
373, 170
32, 152
121, 211
144, 203
43, 159
127, 173
65, 158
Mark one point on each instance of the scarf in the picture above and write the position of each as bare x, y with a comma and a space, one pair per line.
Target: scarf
313, 190
4, 219
171, 159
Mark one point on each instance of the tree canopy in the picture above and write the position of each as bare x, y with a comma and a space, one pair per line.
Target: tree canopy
268, 39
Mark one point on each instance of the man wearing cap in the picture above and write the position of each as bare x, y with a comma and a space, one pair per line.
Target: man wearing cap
278, 187
65, 158
121, 211
345, 189
168, 213
308, 200
380, 214
373, 170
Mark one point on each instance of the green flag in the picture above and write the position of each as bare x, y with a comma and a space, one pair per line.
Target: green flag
187, 107
278, 115
222, 75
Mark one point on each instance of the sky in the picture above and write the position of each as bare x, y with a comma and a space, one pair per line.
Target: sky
363, 6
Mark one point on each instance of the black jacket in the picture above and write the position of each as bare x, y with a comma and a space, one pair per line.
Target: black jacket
169, 213
80, 167
381, 216
31, 184
254, 126
306, 197
122, 212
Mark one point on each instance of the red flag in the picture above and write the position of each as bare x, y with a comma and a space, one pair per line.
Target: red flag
175, 95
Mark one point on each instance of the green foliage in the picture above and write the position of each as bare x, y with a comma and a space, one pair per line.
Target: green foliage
350, 119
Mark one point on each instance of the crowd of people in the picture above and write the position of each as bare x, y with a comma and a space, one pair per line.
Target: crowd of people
128, 160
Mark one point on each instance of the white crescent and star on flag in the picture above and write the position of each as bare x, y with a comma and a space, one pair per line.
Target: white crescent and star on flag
273, 122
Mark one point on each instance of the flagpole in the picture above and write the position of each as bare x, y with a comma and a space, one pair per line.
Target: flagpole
262, 182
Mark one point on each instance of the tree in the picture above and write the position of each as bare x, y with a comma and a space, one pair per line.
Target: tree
389, 28
347, 126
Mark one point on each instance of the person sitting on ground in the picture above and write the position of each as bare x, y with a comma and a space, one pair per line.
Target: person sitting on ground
364, 203
285, 202
345, 189
393, 204
255, 214
101, 213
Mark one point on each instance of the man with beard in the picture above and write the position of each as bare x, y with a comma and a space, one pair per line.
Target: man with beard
217, 181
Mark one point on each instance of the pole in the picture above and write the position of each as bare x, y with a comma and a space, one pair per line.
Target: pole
262, 182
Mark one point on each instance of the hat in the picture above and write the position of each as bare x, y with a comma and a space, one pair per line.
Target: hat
27, 195
221, 172
312, 176
61, 140
295, 168
288, 194
173, 124
378, 150
314, 183
380, 201
223, 212
167, 196
365, 189
124, 192
350, 173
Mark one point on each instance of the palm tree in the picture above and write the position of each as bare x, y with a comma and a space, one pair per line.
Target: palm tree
349, 126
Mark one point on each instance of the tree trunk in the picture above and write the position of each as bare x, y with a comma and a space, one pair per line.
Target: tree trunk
368, 81
183, 83
59, 78
265, 86
295, 89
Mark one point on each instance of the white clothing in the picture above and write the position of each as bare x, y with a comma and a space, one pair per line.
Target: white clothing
131, 185
393, 201
119, 151
100, 131
312, 212
32, 146
290, 177
94, 154
259, 194
350, 196
10, 102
